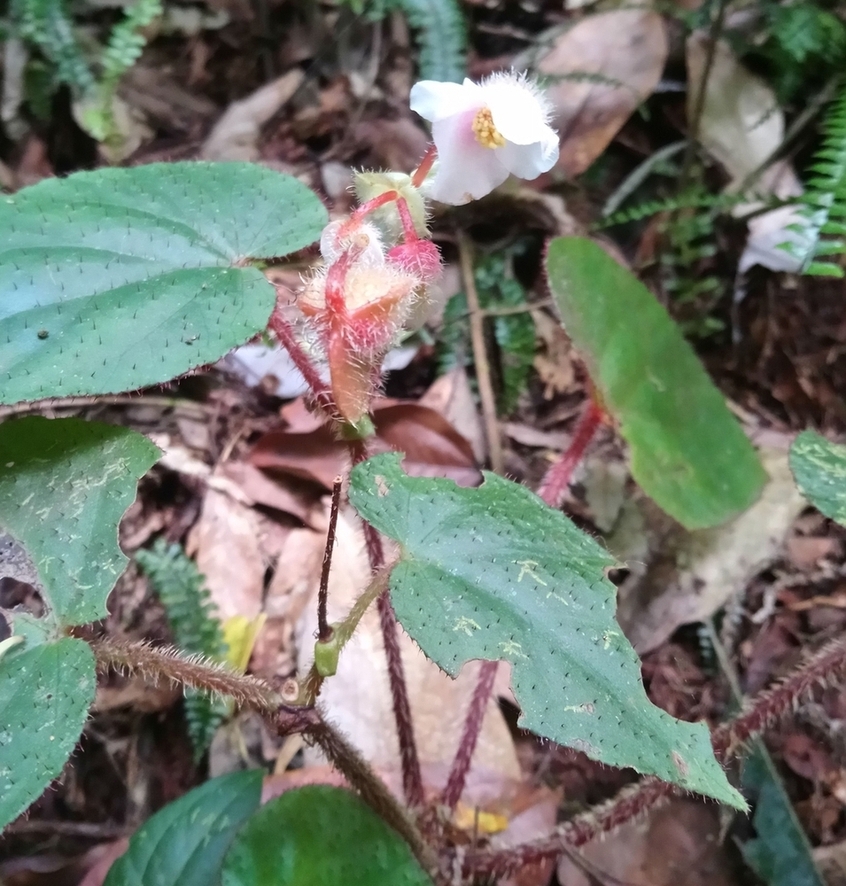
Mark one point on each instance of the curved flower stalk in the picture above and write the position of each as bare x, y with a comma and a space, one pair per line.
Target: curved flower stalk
485, 131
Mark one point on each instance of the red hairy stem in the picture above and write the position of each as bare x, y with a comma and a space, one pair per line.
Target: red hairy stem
469, 735
555, 483
419, 174
826, 666
412, 778
284, 332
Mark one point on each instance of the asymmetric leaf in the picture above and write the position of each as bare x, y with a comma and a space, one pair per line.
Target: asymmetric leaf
64, 486
45, 693
687, 451
493, 573
819, 468
184, 843
316, 836
119, 278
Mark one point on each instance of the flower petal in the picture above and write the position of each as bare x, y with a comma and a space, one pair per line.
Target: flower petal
519, 110
529, 161
466, 171
436, 101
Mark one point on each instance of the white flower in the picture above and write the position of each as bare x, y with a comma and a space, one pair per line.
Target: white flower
484, 131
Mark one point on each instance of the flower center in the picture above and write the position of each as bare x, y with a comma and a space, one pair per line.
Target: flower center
487, 135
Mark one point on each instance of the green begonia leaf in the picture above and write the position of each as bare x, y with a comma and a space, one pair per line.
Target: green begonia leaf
493, 573
819, 468
45, 693
119, 278
688, 452
184, 843
64, 486
316, 836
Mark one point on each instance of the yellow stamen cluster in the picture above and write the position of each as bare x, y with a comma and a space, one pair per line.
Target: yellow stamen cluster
487, 135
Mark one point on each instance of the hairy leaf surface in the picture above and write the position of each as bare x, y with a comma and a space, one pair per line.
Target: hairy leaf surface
119, 278
819, 468
687, 450
493, 573
64, 486
45, 693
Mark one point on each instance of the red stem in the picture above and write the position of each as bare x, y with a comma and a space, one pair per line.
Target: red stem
419, 174
469, 735
284, 332
412, 778
555, 483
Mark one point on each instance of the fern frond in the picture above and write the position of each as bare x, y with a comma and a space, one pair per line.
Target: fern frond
48, 24
195, 628
126, 42
825, 200
693, 200
441, 33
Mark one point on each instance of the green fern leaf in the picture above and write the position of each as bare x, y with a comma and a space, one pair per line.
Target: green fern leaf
442, 37
180, 586
48, 24
825, 200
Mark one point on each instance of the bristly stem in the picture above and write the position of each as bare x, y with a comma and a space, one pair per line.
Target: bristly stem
412, 778
419, 174
284, 332
470, 735
324, 631
157, 663
555, 483
762, 712
372, 789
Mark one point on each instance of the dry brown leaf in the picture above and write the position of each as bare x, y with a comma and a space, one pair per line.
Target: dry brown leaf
235, 135
450, 395
294, 497
741, 123
226, 546
693, 574
627, 46
432, 446
358, 700
678, 845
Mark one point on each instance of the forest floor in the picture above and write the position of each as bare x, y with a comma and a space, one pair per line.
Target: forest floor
315, 91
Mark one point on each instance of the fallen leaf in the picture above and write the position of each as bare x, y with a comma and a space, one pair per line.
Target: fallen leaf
678, 845
235, 135
225, 543
432, 446
296, 499
625, 50
691, 575
450, 395
741, 124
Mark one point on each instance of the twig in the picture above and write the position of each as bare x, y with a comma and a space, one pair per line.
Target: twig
166, 663
555, 483
470, 735
480, 357
324, 632
412, 779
